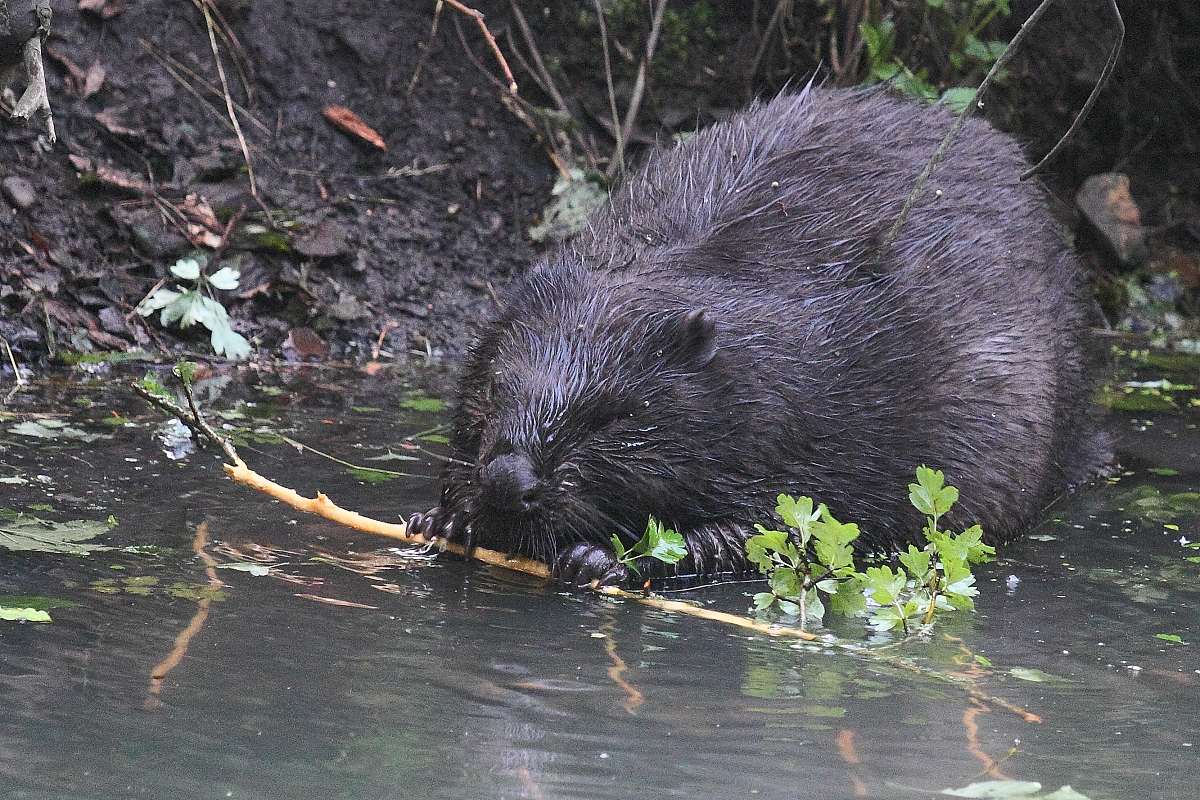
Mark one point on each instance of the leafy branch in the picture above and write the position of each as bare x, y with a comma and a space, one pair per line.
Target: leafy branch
814, 556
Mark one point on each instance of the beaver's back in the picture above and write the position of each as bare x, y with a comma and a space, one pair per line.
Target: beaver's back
727, 329
966, 347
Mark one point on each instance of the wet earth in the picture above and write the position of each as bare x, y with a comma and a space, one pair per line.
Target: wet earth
354, 252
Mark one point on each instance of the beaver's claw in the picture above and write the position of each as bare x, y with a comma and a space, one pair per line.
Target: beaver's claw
581, 564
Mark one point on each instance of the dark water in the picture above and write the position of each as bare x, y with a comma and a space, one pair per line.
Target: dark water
461, 681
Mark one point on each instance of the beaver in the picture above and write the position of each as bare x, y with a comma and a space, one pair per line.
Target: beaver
727, 329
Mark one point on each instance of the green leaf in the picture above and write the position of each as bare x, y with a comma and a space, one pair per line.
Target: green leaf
1032, 675
796, 512
788, 607
880, 40
185, 371
35, 602
785, 582
1065, 793
226, 278
228, 342
1170, 637
23, 614
186, 268
883, 584
424, 404
55, 429
763, 601
209, 313
929, 494
665, 545
833, 540
759, 548
372, 476
814, 609
886, 618
849, 599
958, 98
181, 310
916, 562
978, 50
886, 71
253, 568
977, 551
619, 549
160, 299
657, 542
31, 533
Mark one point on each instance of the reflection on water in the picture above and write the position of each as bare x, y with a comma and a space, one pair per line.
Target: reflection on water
458, 681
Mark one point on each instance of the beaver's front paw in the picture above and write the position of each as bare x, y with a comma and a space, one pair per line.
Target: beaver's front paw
430, 524
581, 564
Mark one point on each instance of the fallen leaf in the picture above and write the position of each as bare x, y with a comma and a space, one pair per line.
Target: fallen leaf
105, 9
30, 533
23, 614
112, 122
348, 121
120, 179
94, 79
55, 429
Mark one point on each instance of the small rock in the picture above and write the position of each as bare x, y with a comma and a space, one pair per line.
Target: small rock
418, 310
112, 321
19, 191
328, 240
1106, 202
306, 343
348, 309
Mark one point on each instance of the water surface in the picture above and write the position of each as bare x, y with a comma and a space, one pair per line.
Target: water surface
452, 680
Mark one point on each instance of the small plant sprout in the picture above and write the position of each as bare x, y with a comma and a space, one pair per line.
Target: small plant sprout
657, 542
197, 305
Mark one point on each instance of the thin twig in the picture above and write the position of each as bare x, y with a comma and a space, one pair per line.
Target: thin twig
521, 108
241, 56
619, 158
215, 259
478, 17
541, 74
322, 506
233, 117
1087, 106
171, 65
437, 14
950, 136
776, 16
543, 78
20, 381
639, 84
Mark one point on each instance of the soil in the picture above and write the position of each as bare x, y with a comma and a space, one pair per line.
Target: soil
355, 252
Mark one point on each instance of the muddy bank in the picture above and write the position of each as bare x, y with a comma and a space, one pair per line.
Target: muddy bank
352, 251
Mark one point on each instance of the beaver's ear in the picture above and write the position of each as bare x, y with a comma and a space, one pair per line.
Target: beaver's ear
693, 339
